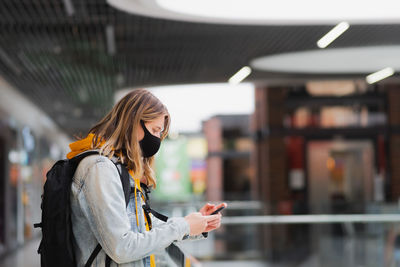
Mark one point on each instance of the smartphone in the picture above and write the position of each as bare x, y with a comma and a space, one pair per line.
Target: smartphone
218, 210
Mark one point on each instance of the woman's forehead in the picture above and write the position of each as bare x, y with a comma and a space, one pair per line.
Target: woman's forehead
159, 121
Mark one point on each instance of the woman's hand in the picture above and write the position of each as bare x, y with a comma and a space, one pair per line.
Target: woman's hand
208, 209
199, 223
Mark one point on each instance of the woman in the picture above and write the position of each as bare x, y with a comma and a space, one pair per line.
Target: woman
131, 134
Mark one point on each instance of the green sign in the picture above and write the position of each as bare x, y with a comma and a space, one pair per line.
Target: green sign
173, 171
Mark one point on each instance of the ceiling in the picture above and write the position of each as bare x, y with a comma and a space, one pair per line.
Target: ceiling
70, 60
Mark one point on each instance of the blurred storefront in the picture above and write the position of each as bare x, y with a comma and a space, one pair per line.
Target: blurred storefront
27, 151
324, 148
25, 161
230, 177
230, 146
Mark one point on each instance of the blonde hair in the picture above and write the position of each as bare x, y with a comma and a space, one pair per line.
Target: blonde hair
118, 129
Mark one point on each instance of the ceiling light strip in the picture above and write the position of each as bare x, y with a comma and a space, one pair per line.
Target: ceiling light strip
69, 7
240, 75
380, 75
110, 36
333, 34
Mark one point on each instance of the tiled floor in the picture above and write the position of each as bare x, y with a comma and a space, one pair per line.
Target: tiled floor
234, 264
26, 256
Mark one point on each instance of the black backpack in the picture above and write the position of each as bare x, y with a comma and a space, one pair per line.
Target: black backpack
56, 246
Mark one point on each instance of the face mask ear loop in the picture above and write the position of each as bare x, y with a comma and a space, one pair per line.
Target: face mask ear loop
144, 126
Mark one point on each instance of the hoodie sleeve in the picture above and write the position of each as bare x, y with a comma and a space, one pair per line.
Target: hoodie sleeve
158, 223
106, 213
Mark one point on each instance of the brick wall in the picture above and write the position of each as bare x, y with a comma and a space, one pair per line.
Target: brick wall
270, 149
271, 165
213, 132
393, 94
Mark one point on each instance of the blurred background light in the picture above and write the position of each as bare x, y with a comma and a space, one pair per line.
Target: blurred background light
189, 105
380, 75
265, 12
240, 75
333, 34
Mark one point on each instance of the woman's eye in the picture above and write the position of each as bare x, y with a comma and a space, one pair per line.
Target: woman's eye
157, 133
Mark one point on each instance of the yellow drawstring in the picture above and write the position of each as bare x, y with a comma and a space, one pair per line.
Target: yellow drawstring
137, 185
137, 218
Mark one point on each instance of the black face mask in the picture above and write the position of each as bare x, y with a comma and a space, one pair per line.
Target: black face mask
150, 143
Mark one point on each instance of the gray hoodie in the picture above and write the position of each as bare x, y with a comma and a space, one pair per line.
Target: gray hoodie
99, 215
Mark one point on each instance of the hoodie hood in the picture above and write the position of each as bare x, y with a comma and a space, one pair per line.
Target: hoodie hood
82, 145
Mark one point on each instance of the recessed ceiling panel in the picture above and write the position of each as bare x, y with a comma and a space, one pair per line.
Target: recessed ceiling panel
70, 56
352, 60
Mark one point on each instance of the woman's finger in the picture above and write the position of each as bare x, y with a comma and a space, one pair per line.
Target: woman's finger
212, 227
208, 206
207, 209
214, 221
210, 218
218, 206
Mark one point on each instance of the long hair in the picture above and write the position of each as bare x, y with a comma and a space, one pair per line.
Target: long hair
118, 129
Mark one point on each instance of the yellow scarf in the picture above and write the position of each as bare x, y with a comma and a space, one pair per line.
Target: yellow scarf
82, 145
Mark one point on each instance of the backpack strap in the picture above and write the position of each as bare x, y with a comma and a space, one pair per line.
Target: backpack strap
93, 255
125, 180
82, 155
124, 176
147, 207
156, 214
126, 186
108, 261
